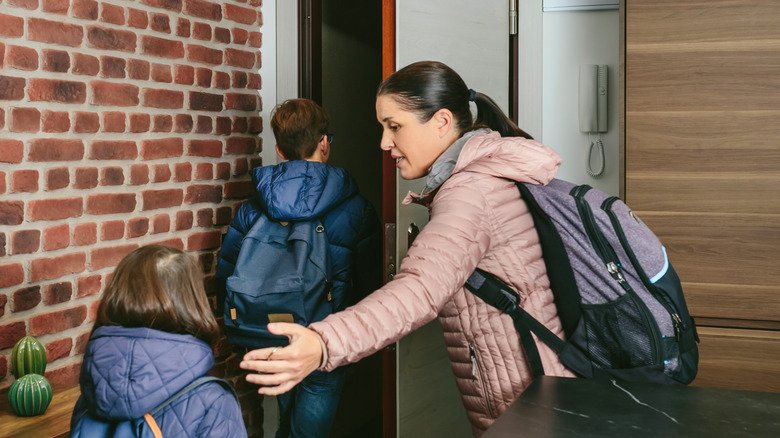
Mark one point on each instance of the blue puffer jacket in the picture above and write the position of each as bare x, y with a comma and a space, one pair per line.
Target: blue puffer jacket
127, 372
300, 190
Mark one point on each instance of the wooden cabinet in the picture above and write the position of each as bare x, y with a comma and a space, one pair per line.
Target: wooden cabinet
701, 150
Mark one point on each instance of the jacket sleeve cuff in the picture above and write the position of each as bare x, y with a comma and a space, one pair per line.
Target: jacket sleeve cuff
324, 353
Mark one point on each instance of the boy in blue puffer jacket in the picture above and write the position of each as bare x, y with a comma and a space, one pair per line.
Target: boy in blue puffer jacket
302, 188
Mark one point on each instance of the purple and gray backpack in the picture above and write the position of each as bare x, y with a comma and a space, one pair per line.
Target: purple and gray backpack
620, 301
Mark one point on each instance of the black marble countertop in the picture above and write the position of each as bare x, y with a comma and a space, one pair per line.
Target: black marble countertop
565, 407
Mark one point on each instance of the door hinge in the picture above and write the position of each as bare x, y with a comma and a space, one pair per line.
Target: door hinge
513, 23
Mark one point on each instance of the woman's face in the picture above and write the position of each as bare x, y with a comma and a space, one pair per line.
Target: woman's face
413, 144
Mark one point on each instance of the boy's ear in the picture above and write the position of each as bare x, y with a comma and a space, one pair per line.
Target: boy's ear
444, 120
279, 153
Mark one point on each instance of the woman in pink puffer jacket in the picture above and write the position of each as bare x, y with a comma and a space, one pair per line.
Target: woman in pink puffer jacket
477, 220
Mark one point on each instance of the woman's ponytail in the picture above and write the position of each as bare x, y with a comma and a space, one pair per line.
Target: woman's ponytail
490, 115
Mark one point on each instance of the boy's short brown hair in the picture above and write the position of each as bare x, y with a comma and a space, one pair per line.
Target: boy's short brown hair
158, 287
298, 126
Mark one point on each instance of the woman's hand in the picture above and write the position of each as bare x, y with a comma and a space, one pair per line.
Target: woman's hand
279, 369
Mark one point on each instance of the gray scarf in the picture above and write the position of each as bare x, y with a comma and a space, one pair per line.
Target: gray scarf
443, 166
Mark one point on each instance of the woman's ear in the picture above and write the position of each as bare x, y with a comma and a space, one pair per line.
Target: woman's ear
444, 121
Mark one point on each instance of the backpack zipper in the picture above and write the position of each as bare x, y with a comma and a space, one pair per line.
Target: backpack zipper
665, 301
476, 371
608, 256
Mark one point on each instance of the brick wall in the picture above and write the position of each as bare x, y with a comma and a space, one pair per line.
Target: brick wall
122, 123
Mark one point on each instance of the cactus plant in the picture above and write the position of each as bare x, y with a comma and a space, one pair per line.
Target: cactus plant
30, 395
27, 357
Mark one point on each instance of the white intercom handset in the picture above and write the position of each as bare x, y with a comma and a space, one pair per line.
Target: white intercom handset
593, 108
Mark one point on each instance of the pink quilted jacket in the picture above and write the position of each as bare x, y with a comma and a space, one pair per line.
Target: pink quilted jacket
477, 219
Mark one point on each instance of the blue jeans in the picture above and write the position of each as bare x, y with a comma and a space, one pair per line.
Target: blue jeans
308, 410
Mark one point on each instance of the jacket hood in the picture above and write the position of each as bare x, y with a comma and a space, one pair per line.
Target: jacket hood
301, 190
127, 372
485, 151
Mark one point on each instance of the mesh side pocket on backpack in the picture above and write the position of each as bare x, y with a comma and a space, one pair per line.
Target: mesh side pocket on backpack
616, 334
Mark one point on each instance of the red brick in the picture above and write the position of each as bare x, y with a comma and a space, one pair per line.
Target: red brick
104, 38
204, 125
11, 151
56, 267
160, 23
55, 149
25, 241
11, 275
57, 237
162, 47
139, 174
54, 209
255, 81
104, 257
55, 121
239, 35
58, 349
21, 58
139, 122
112, 67
55, 322
2, 183
205, 240
239, 79
239, 58
26, 298
85, 64
205, 217
112, 230
162, 123
54, 32
239, 125
182, 172
85, 234
161, 223
173, 243
221, 80
11, 88
162, 73
112, 14
203, 193
57, 293
113, 150
137, 18
81, 341
137, 227
25, 120
171, 5
183, 74
85, 178
224, 215
162, 148
112, 176
204, 171
86, 123
2, 254
154, 199
57, 61
11, 25
138, 69
203, 77
161, 173
205, 101
113, 121
11, 212
52, 90
24, 181
241, 145
242, 102
183, 28
156, 98
224, 125
111, 203
223, 171
57, 178
205, 148
183, 220
256, 39
222, 35
86, 9
11, 333
240, 14
206, 55
240, 167
238, 189
203, 9
110, 94
201, 31
258, 61
88, 286
182, 123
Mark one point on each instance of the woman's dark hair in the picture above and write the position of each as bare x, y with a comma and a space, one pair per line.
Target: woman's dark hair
425, 87
158, 287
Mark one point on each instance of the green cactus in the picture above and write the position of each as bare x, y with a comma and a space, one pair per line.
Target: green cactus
27, 357
30, 395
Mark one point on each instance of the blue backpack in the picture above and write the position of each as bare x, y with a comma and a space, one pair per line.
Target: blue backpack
144, 427
282, 274
619, 300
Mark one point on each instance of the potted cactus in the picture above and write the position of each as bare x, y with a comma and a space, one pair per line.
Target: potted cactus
30, 395
27, 357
